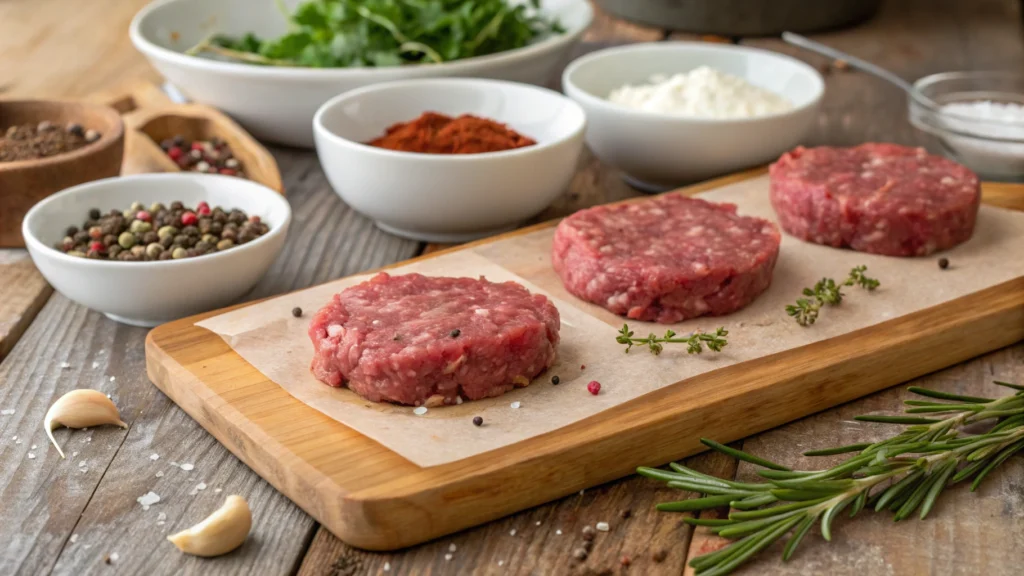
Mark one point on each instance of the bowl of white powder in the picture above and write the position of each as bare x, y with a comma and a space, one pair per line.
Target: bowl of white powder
670, 113
978, 117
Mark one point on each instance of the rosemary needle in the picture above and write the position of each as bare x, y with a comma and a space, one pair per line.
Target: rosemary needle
905, 474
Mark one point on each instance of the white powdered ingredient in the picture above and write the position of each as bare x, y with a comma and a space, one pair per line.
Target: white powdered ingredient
148, 499
701, 93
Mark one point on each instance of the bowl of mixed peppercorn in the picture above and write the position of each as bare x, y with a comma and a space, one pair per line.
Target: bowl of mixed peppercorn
47, 146
152, 248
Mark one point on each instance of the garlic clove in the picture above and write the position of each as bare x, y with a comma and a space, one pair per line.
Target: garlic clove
81, 409
220, 533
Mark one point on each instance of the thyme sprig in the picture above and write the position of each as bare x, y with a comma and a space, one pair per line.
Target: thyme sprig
827, 291
694, 342
903, 474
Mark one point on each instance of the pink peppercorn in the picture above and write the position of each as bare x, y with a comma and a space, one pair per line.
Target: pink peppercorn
188, 218
197, 146
144, 216
594, 387
203, 208
174, 152
254, 219
97, 246
227, 171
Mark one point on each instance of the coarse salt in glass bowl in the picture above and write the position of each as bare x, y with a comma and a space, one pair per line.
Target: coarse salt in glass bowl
977, 116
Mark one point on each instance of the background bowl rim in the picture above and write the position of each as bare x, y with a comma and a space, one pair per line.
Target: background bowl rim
605, 105
320, 129
154, 50
33, 243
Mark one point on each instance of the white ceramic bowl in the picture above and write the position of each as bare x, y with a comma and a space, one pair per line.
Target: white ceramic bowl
449, 198
278, 103
658, 151
151, 293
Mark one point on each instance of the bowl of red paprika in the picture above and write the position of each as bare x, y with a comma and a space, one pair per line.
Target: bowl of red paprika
449, 160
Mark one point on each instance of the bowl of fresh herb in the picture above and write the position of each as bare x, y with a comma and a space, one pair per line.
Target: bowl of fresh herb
271, 63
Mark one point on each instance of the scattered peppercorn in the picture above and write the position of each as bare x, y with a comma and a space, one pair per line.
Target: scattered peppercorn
943, 263
659, 555
583, 366
455, 333
478, 421
589, 532
212, 156
159, 233
42, 140
588, 545
594, 387
625, 513
555, 380
625, 561
579, 554
297, 312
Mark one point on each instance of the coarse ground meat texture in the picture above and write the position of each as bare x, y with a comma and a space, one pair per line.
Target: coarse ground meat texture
422, 340
877, 198
667, 259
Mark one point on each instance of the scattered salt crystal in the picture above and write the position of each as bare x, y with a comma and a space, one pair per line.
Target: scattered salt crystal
14, 437
88, 438
160, 474
602, 526
420, 411
112, 378
173, 463
154, 456
83, 470
82, 463
161, 516
448, 556
218, 490
148, 499
65, 365
538, 522
512, 532
86, 546
31, 456
581, 492
33, 446
74, 538
201, 486
516, 404
7, 412
102, 352
73, 454
17, 441
160, 522
387, 566
187, 467
458, 400
95, 365
114, 557
559, 532
501, 562
452, 547
108, 397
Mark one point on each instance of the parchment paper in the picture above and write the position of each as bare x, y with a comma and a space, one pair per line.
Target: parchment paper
274, 342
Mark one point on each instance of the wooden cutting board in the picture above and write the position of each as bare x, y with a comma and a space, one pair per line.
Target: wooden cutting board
372, 498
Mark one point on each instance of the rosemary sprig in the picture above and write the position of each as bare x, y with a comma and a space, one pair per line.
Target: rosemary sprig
827, 291
694, 343
903, 474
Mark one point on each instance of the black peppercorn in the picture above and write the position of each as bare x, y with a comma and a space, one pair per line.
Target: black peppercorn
94, 214
943, 263
297, 312
455, 333
177, 205
71, 231
555, 380
478, 421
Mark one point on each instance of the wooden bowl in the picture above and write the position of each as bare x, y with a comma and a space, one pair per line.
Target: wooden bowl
25, 182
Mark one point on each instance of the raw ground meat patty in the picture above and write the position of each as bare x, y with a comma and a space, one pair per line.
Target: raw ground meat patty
666, 259
422, 340
877, 198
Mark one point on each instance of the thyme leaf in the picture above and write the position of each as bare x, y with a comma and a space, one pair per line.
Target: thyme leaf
695, 342
904, 474
827, 291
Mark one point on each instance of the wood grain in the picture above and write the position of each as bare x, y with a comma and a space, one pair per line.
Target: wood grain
22, 294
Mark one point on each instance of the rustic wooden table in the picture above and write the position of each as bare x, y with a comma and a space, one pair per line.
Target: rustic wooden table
80, 516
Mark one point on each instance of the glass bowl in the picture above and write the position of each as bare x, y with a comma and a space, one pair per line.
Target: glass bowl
992, 143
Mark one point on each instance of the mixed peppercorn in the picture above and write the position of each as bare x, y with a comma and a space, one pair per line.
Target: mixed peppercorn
42, 140
211, 156
160, 232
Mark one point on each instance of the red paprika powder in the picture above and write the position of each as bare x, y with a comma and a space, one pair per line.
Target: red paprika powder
434, 133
